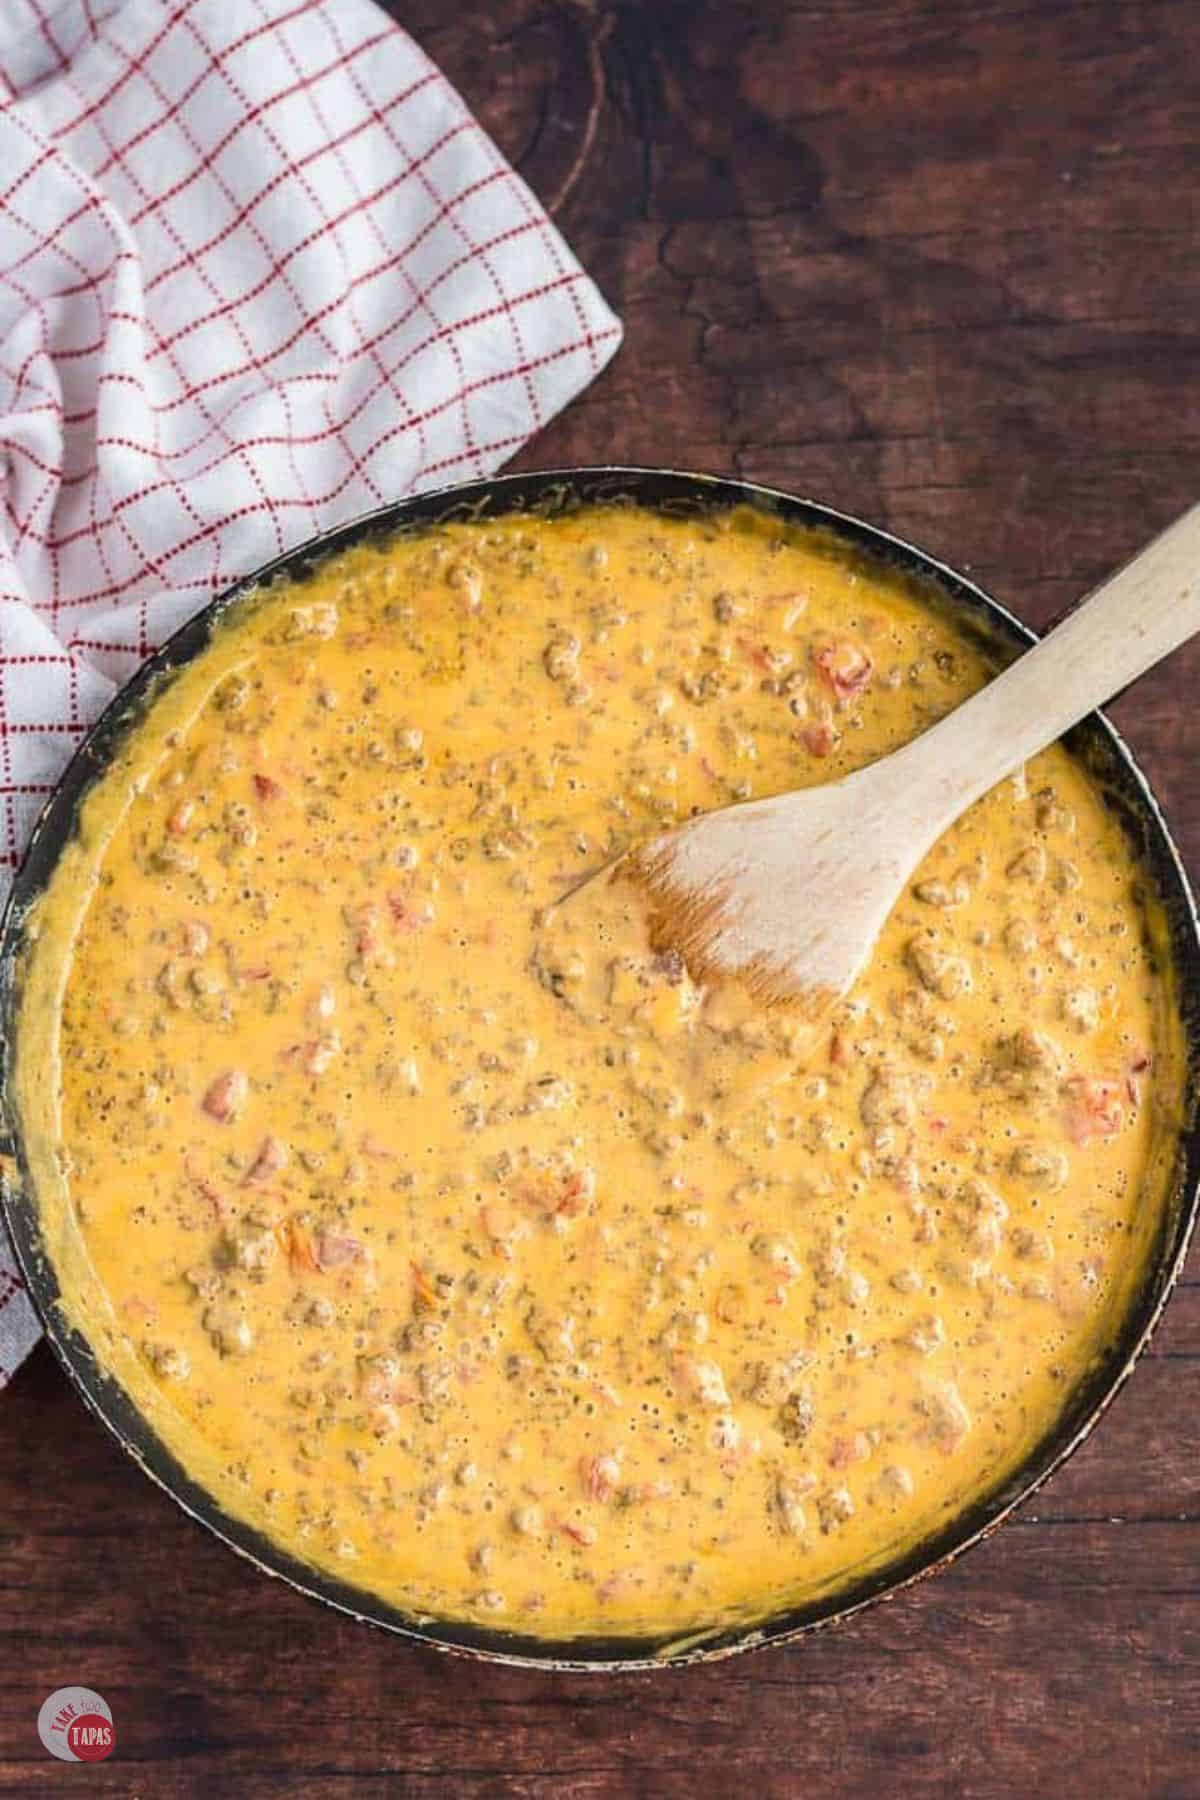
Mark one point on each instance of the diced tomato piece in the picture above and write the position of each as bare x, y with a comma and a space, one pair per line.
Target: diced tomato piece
272, 1157
817, 739
226, 1096
600, 1475
758, 654
424, 1290
335, 1249
295, 1242
406, 916
1094, 1109
577, 1188
366, 923
579, 1534
843, 666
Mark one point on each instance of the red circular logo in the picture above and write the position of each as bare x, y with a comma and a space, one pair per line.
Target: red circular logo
90, 1737
76, 1725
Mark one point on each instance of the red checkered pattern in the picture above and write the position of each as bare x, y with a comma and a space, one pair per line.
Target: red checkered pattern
259, 270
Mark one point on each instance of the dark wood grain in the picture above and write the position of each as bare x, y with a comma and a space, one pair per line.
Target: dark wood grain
940, 265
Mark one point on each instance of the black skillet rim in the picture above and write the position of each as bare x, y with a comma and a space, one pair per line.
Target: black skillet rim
676, 492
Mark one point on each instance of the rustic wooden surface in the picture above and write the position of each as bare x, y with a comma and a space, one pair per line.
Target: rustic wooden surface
938, 264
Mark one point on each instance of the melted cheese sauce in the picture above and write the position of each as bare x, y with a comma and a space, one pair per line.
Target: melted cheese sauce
475, 1252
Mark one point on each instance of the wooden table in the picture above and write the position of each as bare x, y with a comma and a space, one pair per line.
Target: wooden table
938, 264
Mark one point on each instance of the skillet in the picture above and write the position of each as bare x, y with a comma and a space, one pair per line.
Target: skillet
1095, 741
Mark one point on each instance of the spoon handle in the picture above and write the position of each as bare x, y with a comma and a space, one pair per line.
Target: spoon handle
1131, 621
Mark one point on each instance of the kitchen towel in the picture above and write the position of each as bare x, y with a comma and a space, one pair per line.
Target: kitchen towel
260, 270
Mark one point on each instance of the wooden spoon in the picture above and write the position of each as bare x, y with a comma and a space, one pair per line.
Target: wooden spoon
789, 894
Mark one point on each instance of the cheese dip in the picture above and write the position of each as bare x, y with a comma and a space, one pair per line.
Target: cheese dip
470, 1249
